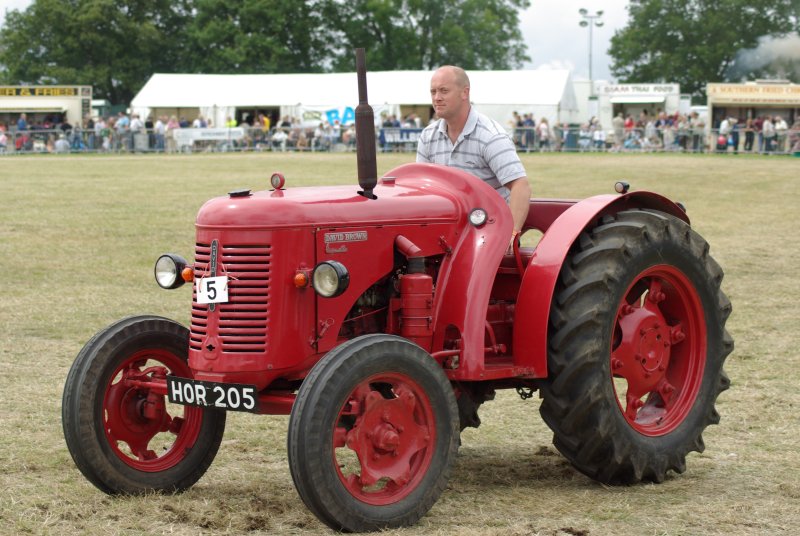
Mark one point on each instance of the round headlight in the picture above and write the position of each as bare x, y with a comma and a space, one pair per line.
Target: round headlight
277, 181
168, 270
478, 217
330, 279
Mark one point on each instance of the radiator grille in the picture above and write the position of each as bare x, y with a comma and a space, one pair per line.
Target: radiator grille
242, 322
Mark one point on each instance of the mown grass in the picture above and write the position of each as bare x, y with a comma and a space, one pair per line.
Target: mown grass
78, 236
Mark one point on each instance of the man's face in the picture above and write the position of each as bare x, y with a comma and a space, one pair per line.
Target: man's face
447, 97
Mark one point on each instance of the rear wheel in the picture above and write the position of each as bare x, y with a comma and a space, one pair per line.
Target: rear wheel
123, 436
373, 434
636, 347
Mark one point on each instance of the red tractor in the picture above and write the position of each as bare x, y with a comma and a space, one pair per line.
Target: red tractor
381, 319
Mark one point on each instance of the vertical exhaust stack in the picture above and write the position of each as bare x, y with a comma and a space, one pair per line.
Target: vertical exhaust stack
365, 132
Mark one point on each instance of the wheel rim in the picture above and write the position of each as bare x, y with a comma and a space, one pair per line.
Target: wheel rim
384, 438
658, 350
142, 429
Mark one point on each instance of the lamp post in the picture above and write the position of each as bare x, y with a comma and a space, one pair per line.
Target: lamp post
590, 21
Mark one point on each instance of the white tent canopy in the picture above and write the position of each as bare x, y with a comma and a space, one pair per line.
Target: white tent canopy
545, 93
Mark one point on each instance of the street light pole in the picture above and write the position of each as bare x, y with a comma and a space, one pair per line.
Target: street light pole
590, 21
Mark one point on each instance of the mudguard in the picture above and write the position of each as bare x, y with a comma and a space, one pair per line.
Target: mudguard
539, 281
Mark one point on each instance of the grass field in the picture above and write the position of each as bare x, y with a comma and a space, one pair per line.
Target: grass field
78, 238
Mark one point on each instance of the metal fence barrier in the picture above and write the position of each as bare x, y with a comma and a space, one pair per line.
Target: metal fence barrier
244, 138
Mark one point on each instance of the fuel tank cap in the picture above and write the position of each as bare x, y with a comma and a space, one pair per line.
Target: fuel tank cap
245, 192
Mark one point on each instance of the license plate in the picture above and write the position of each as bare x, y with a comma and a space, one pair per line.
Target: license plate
228, 396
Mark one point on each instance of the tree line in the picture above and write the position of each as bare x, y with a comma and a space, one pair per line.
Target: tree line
116, 45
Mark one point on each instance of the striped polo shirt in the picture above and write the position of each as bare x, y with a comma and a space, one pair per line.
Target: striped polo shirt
483, 149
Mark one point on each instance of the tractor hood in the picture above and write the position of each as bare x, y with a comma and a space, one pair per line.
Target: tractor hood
409, 193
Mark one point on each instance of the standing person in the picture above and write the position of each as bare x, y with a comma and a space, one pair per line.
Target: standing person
781, 128
516, 127
749, 135
697, 127
88, 126
724, 132
734, 137
149, 127
768, 129
137, 129
758, 125
544, 134
618, 124
123, 129
463, 138
683, 132
160, 130
629, 126
172, 126
529, 125
99, 126
22, 122
599, 138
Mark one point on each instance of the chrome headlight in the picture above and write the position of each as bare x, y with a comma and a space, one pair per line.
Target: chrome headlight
478, 217
168, 270
330, 279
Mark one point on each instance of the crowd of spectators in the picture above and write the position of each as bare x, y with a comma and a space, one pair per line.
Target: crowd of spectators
764, 134
645, 133
658, 132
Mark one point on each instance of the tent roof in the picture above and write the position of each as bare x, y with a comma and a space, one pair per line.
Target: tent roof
531, 87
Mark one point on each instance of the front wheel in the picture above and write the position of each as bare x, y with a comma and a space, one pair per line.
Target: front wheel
637, 341
373, 434
123, 436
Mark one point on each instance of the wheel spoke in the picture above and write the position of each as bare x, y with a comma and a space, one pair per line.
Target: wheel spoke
633, 405
677, 333
667, 392
175, 424
654, 292
339, 437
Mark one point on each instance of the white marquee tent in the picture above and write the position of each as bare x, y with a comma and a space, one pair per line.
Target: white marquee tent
545, 93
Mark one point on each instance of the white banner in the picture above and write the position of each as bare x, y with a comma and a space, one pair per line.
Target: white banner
187, 136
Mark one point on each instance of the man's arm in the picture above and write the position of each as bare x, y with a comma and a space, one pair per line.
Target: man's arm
519, 201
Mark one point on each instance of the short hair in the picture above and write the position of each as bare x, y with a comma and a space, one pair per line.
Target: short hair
460, 74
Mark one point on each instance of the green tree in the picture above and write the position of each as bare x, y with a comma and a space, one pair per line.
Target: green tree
113, 45
116, 45
256, 36
693, 42
423, 34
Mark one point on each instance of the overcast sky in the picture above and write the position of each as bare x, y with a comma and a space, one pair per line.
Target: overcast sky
551, 31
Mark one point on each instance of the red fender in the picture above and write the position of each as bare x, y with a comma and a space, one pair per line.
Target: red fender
538, 284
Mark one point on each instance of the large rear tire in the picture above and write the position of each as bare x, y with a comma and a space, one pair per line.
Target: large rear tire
637, 342
373, 434
124, 437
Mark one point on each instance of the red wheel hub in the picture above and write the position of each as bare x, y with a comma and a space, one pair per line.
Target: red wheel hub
658, 350
388, 424
136, 420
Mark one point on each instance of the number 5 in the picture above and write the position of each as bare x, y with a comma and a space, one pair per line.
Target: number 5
210, 290
247, 395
